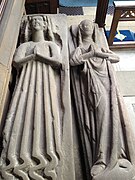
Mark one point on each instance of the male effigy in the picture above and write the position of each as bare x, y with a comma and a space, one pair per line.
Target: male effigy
37, 138
107, 138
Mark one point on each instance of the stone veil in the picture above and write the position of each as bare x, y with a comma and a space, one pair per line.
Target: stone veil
106, 135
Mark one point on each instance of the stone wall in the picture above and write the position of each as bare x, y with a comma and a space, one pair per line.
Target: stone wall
9, 28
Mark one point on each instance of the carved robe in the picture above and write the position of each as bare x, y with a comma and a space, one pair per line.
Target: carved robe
35, 138
105, 131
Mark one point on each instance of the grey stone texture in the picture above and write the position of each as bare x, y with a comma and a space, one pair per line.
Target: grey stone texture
9, 31
105, 131
48, 134
37, 138
126, 81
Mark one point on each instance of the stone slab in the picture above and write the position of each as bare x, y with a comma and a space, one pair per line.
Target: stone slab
130, 106
4, 79
126, 82
9, 28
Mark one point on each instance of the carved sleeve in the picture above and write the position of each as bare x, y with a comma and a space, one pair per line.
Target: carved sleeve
20, 52
54, 58
112, 57
20, 55
76, 57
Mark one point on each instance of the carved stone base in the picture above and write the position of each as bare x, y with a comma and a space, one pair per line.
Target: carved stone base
123, 170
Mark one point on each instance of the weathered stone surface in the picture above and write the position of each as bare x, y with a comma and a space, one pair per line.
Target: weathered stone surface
37, 141
106, 133
126, 81
4, 81
118, 172
9, 31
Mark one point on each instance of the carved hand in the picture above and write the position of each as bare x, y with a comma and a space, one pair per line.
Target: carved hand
88, 55
52, 61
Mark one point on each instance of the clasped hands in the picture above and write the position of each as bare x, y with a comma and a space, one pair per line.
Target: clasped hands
103, 53
54, 61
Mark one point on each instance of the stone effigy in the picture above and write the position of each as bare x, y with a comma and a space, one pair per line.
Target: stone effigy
107, 138
38, 140
36, 143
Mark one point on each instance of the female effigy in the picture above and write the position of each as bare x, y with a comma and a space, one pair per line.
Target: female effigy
106, 135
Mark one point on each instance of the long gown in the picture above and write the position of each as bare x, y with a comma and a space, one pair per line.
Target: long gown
106, 134
33, 131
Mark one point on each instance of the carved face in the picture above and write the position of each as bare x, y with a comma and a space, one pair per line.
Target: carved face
38, 23
86, 28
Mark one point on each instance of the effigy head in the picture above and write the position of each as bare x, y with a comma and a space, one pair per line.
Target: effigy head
37, 22
86, 27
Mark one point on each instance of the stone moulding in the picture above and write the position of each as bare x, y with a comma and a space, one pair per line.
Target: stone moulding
9, 28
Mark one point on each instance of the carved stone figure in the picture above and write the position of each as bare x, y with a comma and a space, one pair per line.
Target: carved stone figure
107, 138
36, 141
